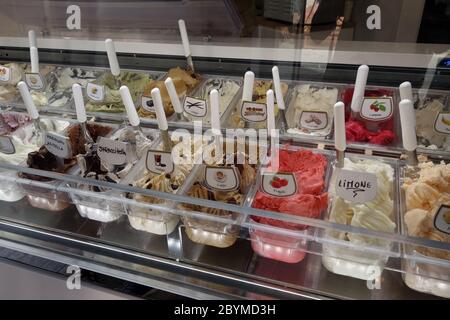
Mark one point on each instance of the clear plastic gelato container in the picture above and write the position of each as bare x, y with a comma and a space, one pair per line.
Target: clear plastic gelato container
10, 75
229, 89
17, 129
432, 119
103, 203
143, 218
297, 188
61, 80
425, 213
185, 82
378, 122
233, 118
353, 254
221, 234
310, 109
104, 95
42, 159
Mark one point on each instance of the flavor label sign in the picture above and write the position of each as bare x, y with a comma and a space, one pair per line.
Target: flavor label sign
442, 123
95, 92
112, 151
6, 145
34, 81
195, 107
221, 178
253, 111
279, 184
58, 145
313, 120
442, 219
376, 109
356, 187
159, 161
5, 74
147, 103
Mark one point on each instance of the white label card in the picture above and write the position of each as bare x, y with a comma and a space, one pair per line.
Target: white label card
356, 187
376, 108
313, 120
35, 81
5, 74
279, 184
147, 103
6, 145
159, 161
95, 92
112, 151
221, 178
442, 123
253, 111
195, 107
58, 145
442, 219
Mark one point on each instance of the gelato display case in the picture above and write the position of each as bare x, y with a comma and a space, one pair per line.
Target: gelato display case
297, 221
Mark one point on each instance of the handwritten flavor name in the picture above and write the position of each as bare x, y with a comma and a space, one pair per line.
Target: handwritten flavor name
355, 186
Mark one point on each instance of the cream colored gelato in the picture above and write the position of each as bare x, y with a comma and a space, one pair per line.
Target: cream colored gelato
425, 121
424, 194
374, 215
311, 99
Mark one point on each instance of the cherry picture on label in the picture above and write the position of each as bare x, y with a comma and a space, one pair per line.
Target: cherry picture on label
377, 106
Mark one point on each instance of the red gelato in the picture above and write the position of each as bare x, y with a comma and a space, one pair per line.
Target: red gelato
356, 129
309, 201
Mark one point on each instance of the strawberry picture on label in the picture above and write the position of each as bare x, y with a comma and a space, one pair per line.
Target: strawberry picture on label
278, 183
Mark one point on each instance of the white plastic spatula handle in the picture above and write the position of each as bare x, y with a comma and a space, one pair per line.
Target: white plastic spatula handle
28, 100
159, 108
79, 103
277, 85
406, 91
173, 95
270, 112
32, 38
249, 80
408, 121
340, 142
34, 57
184, 37
215, 116
360, 87
129, 106
112, 57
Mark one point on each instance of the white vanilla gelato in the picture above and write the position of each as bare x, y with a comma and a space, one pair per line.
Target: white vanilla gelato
425, 121
312, 99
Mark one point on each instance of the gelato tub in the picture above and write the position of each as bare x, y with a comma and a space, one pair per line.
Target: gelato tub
433, 120
310, 110
10, 75
228, 89
214, 233
142, 218
62, 79
185, 81
296, 188
42, 159
17, 129
352, 254
259, 96
425, 213
110, 101
103, 203
378, 121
